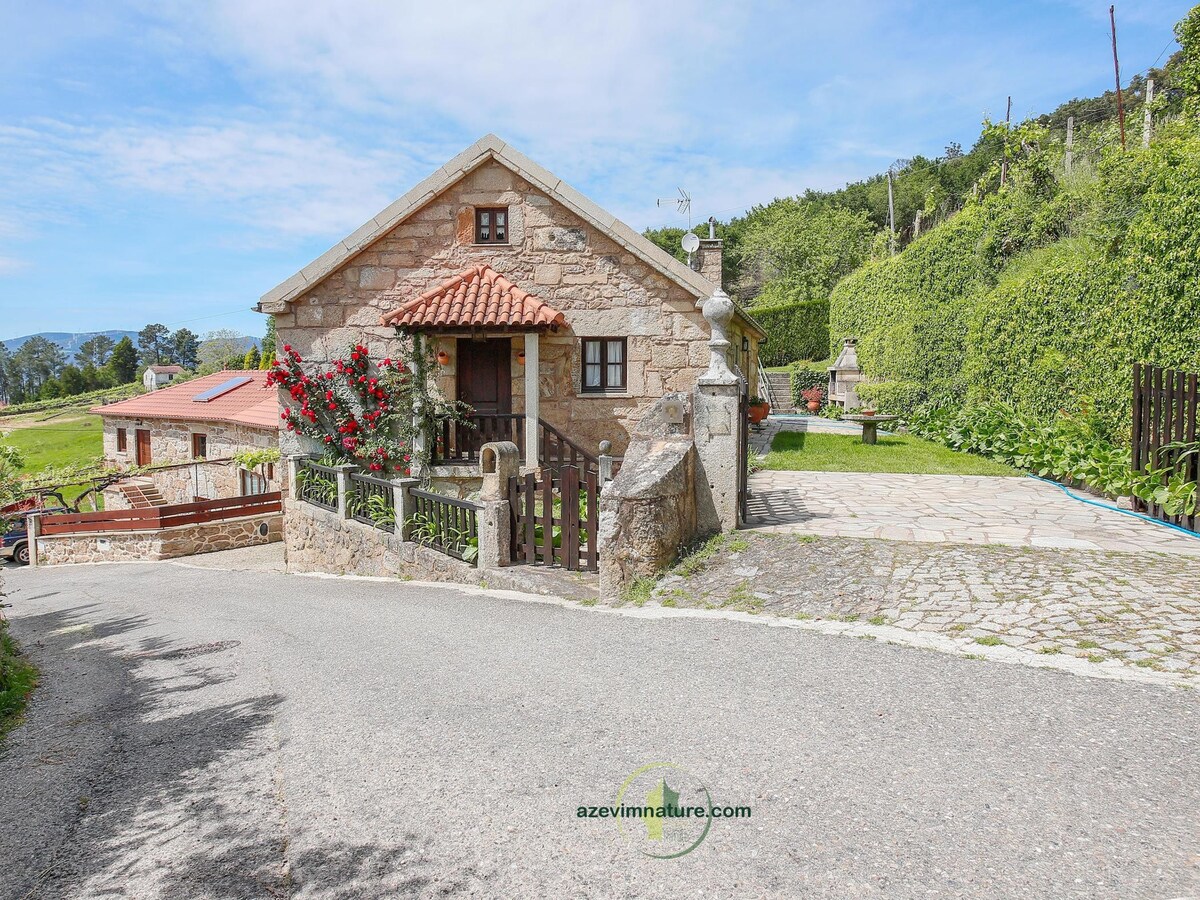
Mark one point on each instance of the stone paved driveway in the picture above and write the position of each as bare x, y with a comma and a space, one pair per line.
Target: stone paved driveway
1110, 609
967, 509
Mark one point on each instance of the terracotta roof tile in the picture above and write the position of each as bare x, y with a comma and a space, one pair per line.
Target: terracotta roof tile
253, 403
477, 298
167, 370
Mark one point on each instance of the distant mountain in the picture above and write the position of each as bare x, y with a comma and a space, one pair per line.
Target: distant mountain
68, 341
71, 342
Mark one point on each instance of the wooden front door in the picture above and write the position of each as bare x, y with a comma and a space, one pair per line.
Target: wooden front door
143, 446
485, 375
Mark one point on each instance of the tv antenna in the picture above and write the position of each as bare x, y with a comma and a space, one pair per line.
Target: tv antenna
683, 203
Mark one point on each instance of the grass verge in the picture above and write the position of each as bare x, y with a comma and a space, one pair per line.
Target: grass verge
18, 676
894, 454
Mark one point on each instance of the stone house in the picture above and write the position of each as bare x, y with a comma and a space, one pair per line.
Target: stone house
158, 376
544, 310
192, 430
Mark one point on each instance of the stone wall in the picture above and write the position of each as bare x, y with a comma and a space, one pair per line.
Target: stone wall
603, 290
164, 543
317, 540
171, 440
648, 513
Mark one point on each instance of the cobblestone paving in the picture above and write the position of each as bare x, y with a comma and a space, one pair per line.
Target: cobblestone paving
1137, 608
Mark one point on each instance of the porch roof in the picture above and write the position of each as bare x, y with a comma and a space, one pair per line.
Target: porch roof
480, 297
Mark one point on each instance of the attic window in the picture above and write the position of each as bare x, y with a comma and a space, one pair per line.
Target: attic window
491, 225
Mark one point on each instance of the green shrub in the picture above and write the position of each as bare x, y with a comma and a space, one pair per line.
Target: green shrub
899, 397
804, 378
795, 331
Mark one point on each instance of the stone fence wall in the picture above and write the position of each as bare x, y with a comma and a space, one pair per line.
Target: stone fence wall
162, 543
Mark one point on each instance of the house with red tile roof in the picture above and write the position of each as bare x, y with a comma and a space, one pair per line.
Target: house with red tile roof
543, 309
189, 432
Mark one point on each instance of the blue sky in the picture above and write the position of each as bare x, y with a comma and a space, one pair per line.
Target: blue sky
171, 161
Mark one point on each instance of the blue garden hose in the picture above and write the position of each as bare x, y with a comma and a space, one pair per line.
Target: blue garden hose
1128, 512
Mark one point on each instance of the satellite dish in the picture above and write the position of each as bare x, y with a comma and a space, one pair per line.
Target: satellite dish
691, 243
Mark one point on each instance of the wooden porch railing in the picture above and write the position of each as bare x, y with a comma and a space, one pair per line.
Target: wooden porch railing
162, 516
458, 443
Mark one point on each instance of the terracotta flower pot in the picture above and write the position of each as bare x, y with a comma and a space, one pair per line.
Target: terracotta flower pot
814, 405
758, 412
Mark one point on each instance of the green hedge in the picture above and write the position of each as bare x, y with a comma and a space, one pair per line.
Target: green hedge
120, 392
1001, 304
794, 331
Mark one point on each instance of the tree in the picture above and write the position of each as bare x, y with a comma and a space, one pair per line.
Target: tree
36, 362
5, 366
221, 349
123, 363
154, 344
185, 348
72, 381
799, 249
94, 351
269, 341
251, 359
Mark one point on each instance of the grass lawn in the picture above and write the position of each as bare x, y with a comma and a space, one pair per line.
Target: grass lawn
60, 438
17, 679
903, 454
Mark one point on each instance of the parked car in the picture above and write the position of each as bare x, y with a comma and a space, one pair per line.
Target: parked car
15, 545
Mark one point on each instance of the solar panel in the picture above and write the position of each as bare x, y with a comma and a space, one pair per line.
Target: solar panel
223, 388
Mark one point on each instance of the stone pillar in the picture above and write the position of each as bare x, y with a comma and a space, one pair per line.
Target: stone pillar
402, 503
33, 526
716, 435
293, 461
343, 488
716, 426
532, 398
605, 461
498, 461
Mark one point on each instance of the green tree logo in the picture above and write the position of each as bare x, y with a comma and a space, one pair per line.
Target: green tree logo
675, 810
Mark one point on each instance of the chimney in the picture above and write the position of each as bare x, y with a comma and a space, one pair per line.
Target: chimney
707, 259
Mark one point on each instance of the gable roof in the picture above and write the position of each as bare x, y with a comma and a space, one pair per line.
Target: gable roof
478, 297
166, 370
251, 403
489, 147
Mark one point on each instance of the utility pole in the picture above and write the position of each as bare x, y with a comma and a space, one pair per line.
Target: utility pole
1112, 20
1146, 117
1070, 142
1004, 157
891, 216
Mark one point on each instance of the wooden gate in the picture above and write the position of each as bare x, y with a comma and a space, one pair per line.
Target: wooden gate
556, 518
1166, 406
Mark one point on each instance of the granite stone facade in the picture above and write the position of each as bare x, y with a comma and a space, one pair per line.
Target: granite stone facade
602, 289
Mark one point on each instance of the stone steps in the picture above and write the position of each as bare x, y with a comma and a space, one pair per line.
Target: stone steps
780, 386
142, 494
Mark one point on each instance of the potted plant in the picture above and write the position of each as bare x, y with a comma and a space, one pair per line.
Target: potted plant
813, 397
867, 411
759, 410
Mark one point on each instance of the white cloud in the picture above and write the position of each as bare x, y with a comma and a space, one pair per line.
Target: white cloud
10, 265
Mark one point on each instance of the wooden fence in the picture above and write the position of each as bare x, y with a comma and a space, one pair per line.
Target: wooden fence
1166, 406
445, 524
556, 519
162, 516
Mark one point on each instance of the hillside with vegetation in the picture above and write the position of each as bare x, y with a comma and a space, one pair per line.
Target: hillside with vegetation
783, 259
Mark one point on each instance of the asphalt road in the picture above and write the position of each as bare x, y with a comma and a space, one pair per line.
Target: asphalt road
202, 733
